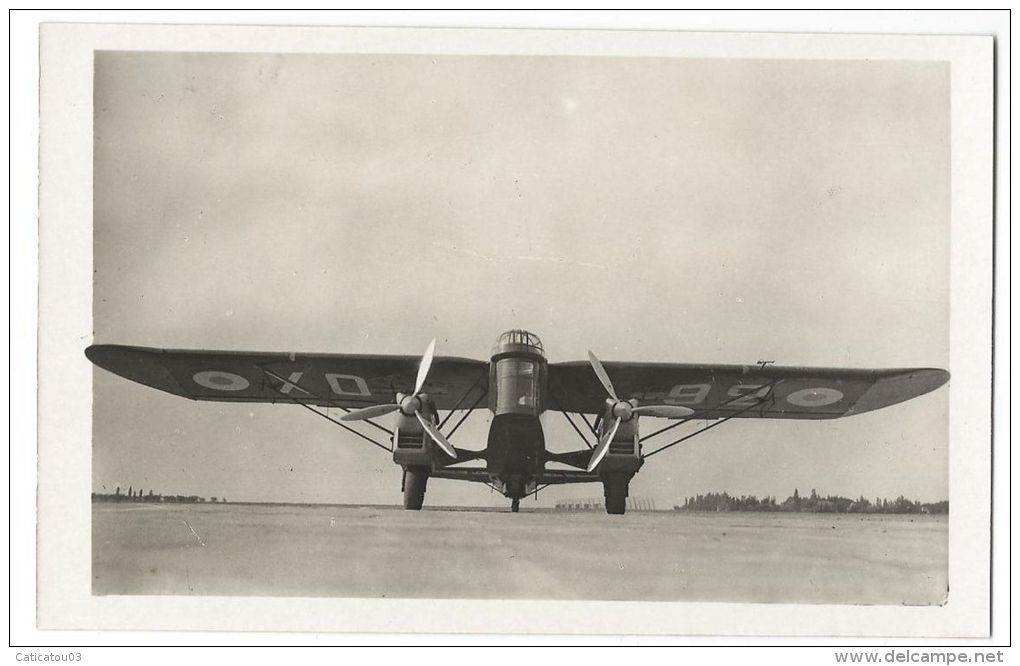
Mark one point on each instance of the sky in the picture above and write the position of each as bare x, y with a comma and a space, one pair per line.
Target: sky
709, 211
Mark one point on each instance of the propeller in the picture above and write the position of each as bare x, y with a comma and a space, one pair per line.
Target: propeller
625, 410
410, 405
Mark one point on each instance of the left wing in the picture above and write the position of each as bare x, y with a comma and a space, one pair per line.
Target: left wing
327, 380
718, 391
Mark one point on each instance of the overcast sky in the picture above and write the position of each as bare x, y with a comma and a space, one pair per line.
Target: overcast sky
718, 211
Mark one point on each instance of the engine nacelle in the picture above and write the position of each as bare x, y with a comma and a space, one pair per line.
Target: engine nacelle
411, 444
624, 454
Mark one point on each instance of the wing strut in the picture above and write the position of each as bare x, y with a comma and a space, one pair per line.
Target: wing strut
485, 392
465, 415
591, 426
323, 415
285, 382
762, 400
576, 429
573, 425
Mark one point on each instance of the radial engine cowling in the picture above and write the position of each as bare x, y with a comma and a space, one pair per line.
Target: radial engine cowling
624, 453
411, 444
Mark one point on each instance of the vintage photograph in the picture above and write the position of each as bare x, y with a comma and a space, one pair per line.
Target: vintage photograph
538, 327
413, 333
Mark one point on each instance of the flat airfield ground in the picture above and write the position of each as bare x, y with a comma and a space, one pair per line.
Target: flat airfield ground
345, 551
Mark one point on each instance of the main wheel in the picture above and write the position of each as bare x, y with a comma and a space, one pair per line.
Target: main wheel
415, 480
515, 505
616, 494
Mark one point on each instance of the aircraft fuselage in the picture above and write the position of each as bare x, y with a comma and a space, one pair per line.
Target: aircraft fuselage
517, 391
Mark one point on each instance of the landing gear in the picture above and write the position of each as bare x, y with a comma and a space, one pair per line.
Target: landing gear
515, 505
415, 480
616, 489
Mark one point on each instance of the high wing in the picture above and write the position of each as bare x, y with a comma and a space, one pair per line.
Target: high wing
327, 380
718, 391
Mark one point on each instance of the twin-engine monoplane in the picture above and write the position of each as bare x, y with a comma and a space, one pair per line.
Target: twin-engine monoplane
604, 403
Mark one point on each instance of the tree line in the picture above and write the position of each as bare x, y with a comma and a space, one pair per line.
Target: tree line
811, 504
151, 496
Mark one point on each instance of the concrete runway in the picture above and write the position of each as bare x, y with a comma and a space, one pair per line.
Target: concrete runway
342, 551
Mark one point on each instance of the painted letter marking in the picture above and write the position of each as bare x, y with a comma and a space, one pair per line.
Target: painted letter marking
360, 385
688, 394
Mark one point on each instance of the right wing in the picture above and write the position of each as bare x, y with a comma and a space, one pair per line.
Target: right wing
718, 391
327, 380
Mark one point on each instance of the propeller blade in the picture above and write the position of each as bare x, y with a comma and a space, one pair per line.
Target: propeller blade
603, 447
369, 412
437, 436
663, 411
603, 376
423, 367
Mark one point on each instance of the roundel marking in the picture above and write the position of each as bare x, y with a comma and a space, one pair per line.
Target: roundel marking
220, 381
814, 397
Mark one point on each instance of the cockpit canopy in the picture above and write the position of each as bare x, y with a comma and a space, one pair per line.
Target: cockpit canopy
518, 340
